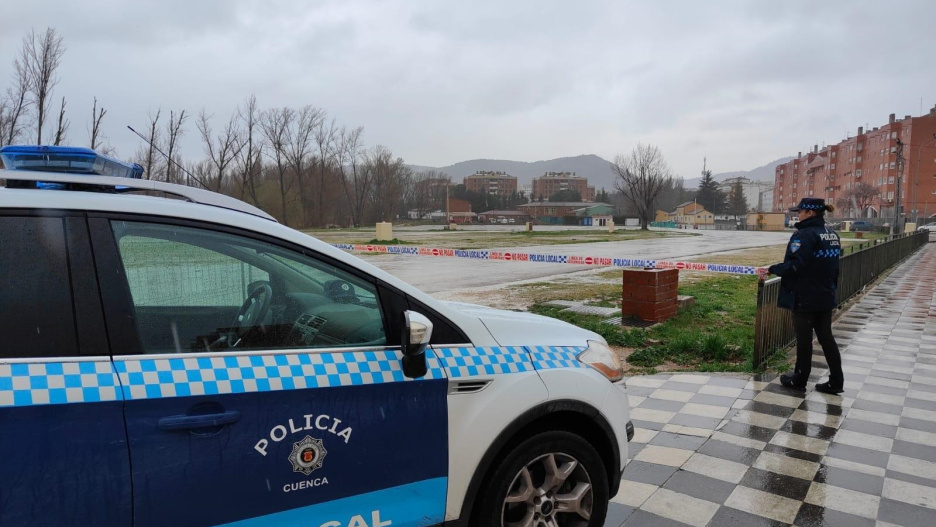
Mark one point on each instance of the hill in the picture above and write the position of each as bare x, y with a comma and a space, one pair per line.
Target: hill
761, 173
596, 169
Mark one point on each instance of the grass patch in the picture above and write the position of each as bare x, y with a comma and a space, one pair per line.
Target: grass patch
484, 239
715, 334
864, 235
757, 256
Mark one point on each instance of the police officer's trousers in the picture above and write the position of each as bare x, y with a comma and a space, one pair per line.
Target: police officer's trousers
804, 324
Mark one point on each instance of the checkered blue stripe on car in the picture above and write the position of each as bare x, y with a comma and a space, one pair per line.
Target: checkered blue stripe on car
551, 357
184, 376
474, 362
28, 384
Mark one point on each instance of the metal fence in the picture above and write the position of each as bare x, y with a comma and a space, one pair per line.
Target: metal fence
859, 266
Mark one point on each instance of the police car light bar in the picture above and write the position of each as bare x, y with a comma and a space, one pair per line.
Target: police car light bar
69, 159
79, 182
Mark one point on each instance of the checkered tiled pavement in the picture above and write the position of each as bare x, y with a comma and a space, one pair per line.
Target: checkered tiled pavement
730, 451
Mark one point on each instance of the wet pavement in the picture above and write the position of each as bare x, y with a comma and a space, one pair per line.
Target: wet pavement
741, 451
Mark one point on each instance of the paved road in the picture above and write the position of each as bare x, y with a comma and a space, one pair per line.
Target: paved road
435, 275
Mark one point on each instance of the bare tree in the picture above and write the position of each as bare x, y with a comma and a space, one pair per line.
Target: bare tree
5, 120
222, 149
844, 204
62, 125
641, 176
174, 131
97, 115
858, 198
864, 196
40, 57
13, 106
354, 180
390, 177
202, 172
325, 136
147, 154
427, 192
275, 125
250, 159
298, 149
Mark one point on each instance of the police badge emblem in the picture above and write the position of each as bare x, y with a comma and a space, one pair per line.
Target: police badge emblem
795, 245
307, 455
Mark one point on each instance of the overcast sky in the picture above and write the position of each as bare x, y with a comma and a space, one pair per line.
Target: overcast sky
739, 82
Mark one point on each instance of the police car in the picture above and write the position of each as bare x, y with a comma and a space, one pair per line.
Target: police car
172, 356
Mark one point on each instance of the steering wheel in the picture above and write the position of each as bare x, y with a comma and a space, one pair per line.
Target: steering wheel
251, 313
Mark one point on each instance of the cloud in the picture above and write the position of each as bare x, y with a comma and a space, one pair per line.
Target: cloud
739, 82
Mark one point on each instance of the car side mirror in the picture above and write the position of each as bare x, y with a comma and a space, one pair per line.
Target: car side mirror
417, 331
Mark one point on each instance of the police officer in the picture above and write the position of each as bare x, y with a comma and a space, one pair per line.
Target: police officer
809, 278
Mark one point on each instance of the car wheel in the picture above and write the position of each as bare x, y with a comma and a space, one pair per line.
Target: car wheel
553, 479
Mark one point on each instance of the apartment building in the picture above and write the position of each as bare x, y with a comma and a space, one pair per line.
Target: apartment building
488, 182
869, 157
753, 192
552, 182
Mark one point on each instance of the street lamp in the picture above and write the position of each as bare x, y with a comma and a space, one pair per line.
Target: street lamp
916, 187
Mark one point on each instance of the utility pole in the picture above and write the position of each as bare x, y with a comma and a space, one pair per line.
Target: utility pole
900, 165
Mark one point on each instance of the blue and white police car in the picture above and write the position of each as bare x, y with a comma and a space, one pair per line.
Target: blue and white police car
191, 362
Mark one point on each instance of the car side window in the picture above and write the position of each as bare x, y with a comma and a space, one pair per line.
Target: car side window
36, 314
197, 290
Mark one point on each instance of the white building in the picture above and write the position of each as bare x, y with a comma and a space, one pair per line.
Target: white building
753, 192
766, 200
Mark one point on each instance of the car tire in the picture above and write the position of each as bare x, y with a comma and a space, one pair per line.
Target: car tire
554, 477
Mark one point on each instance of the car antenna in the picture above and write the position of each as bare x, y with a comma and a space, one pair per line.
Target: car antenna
189, 174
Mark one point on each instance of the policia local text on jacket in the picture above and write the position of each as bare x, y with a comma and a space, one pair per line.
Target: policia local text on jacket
809, 272
808, 282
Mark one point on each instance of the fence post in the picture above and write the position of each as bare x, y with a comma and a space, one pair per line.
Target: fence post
759, 322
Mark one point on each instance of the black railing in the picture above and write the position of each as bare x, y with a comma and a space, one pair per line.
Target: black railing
859, 266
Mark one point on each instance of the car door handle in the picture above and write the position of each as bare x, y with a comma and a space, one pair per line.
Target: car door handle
185, 422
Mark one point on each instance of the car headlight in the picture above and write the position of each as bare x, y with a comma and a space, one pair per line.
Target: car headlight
600, 357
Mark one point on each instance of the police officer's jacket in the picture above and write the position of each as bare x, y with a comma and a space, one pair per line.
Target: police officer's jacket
809, 272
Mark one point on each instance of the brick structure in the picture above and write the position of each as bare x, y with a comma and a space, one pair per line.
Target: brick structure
650, 294
498, 183
552, 182
869, 157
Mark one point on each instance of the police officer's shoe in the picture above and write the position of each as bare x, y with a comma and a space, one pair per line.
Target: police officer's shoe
826, 387
792, 381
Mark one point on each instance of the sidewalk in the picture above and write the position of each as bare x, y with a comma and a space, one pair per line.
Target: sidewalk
730, 451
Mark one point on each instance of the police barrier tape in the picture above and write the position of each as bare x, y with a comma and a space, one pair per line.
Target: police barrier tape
594, 261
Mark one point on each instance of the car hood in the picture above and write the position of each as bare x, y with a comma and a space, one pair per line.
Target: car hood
514, 328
